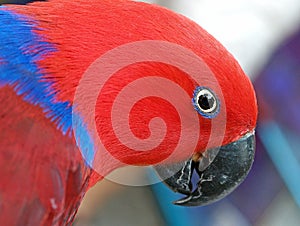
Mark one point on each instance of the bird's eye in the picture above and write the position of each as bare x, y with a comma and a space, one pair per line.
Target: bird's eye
205, 102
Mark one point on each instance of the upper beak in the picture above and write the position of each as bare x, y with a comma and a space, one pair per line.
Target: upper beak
226, 167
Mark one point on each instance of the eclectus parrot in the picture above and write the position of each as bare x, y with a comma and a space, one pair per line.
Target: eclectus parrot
90, 86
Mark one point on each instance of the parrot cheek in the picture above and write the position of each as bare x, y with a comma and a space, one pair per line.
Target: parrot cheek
220, 171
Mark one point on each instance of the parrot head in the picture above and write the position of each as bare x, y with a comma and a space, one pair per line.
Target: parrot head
150, 87
175, 99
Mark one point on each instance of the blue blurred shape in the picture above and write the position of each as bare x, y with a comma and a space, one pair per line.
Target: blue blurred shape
278, 148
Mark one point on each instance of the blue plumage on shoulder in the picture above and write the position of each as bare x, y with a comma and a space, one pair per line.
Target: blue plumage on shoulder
21, 49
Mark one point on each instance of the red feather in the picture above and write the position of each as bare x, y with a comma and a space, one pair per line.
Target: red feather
43, 177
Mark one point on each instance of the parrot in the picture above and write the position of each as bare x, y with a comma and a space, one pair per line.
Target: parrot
87, 87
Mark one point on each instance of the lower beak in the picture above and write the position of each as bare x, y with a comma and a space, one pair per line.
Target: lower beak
227, 167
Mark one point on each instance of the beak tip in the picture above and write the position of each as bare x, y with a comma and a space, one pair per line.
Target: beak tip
183, 202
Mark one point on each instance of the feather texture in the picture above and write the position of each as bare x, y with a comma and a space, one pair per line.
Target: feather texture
43, 177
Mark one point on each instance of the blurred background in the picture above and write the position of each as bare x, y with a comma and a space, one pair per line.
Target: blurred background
264, 36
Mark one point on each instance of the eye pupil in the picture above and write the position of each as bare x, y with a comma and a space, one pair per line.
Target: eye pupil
206, 101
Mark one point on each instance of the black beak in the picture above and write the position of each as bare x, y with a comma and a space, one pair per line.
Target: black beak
220, 171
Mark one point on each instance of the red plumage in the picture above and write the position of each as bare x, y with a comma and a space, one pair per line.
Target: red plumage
42, 171
78, 27
43, 177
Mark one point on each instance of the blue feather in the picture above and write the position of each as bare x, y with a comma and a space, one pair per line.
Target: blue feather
21, 49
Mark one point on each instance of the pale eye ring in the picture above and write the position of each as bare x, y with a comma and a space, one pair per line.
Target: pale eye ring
206, 102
